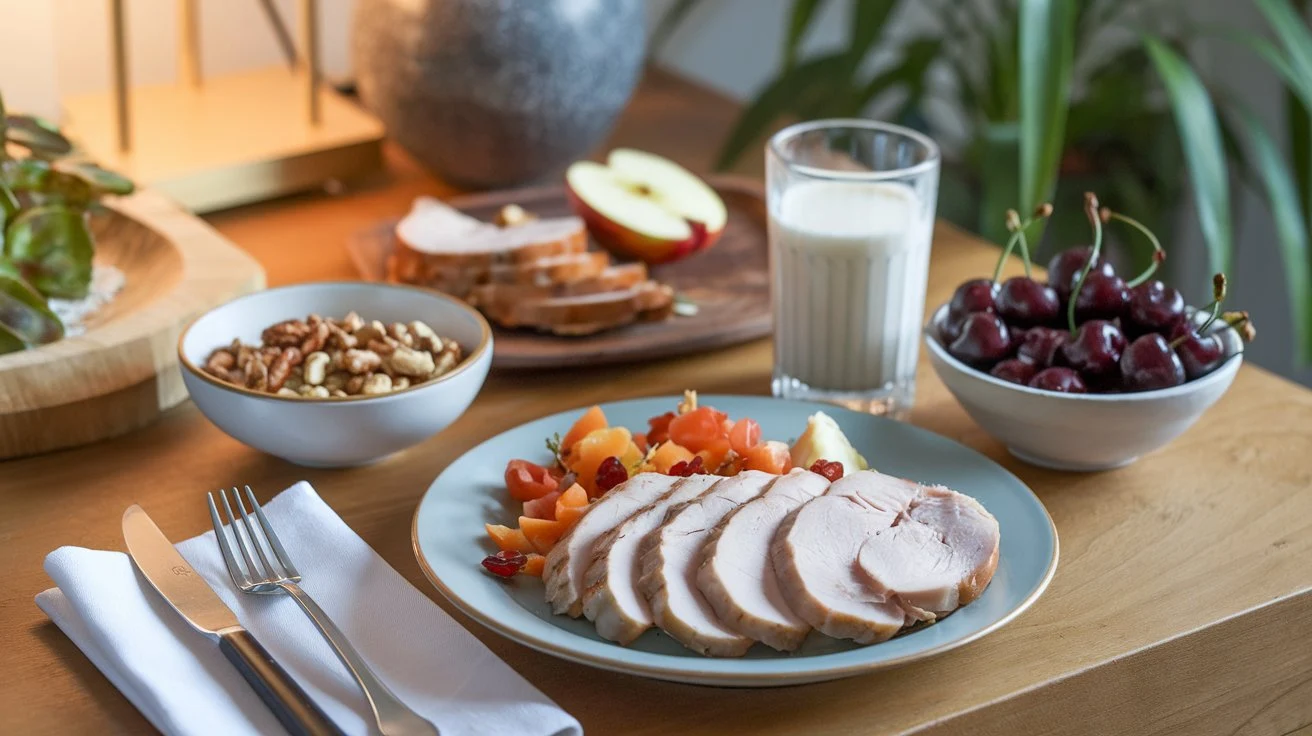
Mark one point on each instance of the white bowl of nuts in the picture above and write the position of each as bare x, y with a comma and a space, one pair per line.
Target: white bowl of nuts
336, 374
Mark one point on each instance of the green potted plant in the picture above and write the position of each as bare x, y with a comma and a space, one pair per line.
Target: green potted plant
46, 245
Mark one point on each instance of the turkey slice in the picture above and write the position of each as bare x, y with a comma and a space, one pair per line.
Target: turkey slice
737, 576
815, 552
671, 554
611, 598
941, 554
569, 559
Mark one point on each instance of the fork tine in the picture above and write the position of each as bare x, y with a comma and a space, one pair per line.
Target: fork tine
235, 571
273, 572
255, 573
284, 559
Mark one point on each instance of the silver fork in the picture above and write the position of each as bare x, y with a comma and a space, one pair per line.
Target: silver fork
393, 717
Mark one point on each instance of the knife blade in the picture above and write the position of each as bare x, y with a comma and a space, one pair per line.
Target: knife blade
187, 592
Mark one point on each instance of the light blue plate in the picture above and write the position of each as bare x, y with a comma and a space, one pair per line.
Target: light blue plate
450, 541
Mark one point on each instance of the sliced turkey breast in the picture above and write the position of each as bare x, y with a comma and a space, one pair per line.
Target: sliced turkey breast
876, 552
737, 575
671, 554
815, 551
941, 554
569, 559
611, 598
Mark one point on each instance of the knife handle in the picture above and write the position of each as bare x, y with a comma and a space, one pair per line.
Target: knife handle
289, 703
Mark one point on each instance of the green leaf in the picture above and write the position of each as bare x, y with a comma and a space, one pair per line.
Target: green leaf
669, 23
1290, 28
36, 134
24, 314
1047, 47
868, 19
1291, 234
917, 56
52, 248
1200, 137
103, 181
786, 94
1001, 186
1300, 150
799, 22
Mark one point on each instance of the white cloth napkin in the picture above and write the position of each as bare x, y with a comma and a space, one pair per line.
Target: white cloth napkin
181, 682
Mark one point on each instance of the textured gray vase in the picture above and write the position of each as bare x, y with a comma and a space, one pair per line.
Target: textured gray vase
492, 93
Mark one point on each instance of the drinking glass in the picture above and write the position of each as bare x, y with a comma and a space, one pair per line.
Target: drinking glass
851, 209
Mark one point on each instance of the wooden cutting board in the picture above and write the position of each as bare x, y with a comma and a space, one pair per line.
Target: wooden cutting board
122, 372
729, 283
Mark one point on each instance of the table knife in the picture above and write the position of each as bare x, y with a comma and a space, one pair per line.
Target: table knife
188, 593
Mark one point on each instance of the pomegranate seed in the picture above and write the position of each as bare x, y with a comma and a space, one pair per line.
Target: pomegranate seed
611, 473
504, 564
831, 470
685, 468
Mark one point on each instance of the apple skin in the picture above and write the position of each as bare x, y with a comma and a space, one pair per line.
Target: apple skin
627, 242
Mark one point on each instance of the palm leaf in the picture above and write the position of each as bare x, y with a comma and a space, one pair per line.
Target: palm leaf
1292, 32
1047, 48
1291, 235
917, 56
788, 93
868, 18
799, 22
1300, 150
1200, 137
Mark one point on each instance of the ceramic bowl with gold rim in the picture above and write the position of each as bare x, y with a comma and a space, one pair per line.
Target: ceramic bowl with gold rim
336, 432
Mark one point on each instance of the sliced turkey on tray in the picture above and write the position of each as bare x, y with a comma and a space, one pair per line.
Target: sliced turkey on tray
671, 554
611, 599
848, 568
569, 558
737, 576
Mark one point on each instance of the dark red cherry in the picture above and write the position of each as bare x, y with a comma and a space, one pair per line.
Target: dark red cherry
1014, 370
1155, 307
1063, 380
1199, 354
950, 329
1096, 349
1064, 270
976, 295
1025, 302
1041, 344
1102, 297
984, 340
1150, 363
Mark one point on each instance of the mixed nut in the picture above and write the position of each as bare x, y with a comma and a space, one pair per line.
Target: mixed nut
321, 358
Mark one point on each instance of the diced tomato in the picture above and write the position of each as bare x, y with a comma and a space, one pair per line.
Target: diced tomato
527, 481
640, 441
592, 419
659, 428
542, 508
714, 453
769, 457
697, 429
745, 435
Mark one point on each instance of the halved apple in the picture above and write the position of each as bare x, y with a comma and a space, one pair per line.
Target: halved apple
642, 205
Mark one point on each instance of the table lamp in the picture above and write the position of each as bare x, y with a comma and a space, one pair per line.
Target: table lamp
217, 142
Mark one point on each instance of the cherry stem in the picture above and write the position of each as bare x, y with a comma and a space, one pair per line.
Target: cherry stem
1091, 210
1218, 296
1018, 228
1159, 253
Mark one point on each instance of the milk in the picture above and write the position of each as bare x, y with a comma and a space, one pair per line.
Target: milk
851, 264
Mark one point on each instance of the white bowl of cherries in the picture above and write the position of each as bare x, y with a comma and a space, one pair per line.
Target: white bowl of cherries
1088, 382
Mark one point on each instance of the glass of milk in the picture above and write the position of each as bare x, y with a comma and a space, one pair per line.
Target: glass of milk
851, 206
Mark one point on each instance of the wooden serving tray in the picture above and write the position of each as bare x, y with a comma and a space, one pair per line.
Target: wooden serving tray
729, 283
122, 372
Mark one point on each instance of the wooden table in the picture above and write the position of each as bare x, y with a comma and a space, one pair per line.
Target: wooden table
1182, 603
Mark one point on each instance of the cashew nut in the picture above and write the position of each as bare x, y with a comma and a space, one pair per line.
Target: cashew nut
316, 368
378, 383
410, 362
